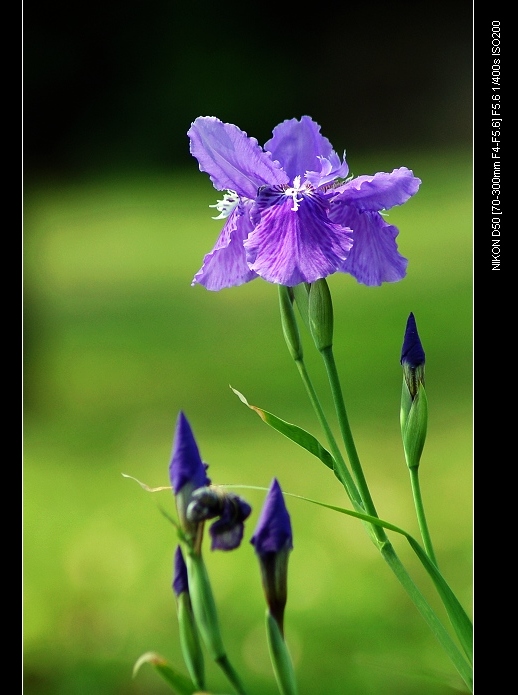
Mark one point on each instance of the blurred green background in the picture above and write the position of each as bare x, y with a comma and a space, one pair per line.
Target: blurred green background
116, 341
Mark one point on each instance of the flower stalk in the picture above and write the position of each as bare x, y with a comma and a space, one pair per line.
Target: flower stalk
414, 420
273, 542
189, 635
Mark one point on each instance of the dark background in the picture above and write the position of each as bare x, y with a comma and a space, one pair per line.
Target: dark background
118, 84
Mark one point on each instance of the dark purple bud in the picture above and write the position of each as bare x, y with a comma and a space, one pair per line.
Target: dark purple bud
186, 465
412, 353
180, 582
412, 358
273, 542
273, 531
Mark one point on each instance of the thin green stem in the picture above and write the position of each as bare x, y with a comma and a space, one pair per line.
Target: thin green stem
387, 551
231, 674
342, 471
361, 489
421, 518
345, 429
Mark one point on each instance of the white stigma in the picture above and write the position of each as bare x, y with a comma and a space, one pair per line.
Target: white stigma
294, 191
225, 206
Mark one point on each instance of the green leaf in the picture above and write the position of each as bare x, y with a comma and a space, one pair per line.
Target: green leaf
459, 619
296, 434
180, 684
456, 613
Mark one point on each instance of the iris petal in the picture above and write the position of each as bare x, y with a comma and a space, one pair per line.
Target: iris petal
297, 145
225, 265
374, 257
288, 247
232, 159
379, 192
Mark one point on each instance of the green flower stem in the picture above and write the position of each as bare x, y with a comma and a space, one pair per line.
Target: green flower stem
231, 674
280, 658
206, 616
421, 518
387, 551
341, 469
345, 429
449, 646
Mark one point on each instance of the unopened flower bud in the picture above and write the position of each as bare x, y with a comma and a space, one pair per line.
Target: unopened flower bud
289, 322
187, 473
321, 314
414, 405
273, 542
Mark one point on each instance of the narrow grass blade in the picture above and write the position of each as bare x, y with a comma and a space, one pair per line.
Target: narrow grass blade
180, 684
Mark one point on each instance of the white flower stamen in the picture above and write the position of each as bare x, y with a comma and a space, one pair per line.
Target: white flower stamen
226, 206
294, 191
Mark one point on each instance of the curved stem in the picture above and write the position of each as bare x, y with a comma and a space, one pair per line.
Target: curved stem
421, 518
387, 551
231, 674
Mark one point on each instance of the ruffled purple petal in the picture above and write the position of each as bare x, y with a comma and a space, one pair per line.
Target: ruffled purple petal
180, 581
273, 532
289, 246
379, 192
232, 159
297, 145
225, 265
227, 532
374, 257
186, 465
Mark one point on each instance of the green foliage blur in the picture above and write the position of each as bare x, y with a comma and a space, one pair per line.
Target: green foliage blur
117, 342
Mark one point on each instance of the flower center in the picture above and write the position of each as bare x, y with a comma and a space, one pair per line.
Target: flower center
294, 191
226, 206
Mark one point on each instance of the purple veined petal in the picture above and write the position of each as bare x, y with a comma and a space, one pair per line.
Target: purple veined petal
225, 265
290, 246
297, 145
374, 257
273, 533
412, 353
186, 465
232, 159
379, 192
180, 581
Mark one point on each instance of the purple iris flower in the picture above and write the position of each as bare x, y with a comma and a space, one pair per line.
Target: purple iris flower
180, 581
291, 214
